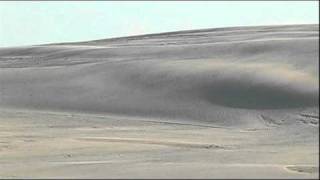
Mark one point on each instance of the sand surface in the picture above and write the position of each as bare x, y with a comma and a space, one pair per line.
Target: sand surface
216, 103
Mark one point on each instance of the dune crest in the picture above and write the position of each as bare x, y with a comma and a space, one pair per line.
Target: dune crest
207, 76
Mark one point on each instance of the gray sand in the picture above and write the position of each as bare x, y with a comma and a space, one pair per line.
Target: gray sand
215, 103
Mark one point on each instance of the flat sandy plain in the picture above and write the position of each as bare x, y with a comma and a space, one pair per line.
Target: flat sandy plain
236, 102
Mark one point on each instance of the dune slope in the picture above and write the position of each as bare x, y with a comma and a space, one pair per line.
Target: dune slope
226, 76
215, 103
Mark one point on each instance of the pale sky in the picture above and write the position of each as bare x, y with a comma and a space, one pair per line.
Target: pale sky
35, 22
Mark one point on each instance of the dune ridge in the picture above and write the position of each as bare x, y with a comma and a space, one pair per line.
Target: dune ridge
223, 76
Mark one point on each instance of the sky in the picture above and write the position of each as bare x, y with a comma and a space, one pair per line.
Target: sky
35, 22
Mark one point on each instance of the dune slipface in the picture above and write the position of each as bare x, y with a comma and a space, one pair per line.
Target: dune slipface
243, 77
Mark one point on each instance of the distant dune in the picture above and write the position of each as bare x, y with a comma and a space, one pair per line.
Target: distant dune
216, 103
211, 75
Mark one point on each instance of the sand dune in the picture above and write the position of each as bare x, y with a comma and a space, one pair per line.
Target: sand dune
244, 78
203, 75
